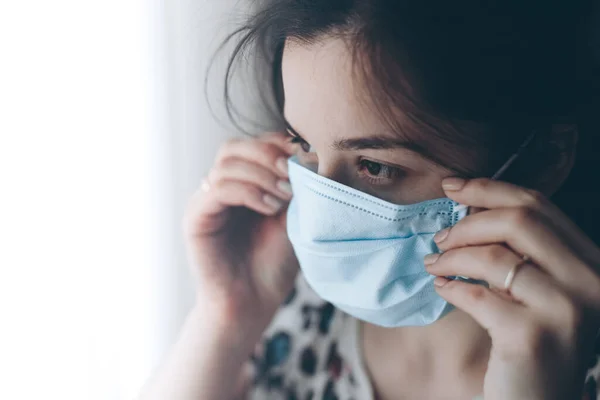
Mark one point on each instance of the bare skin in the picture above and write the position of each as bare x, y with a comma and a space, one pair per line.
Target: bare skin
450, 358
488, 345
403, 363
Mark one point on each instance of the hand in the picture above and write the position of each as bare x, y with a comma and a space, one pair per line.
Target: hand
543, 329
236, 236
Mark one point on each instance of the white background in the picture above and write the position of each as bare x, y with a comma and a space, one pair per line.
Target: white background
104, 133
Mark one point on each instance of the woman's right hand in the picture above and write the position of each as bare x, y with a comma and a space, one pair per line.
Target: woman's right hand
235, 228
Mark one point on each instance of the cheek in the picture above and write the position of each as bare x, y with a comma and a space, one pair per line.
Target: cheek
414, 188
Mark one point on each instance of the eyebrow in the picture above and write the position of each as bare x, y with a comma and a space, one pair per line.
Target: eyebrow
375, 142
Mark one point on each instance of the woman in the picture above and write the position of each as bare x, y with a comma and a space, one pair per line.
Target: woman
444, 216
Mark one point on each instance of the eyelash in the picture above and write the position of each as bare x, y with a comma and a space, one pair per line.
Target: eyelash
389, 173
363, 164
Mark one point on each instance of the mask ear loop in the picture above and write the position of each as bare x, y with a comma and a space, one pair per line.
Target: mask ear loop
495, 177
511, 160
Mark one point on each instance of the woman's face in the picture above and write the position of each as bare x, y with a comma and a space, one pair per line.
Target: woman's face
341, 139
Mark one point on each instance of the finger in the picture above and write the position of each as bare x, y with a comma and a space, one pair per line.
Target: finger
205, 207
241, 170
282, 140
526, 232
487, 193
489, 309
513, 327
225, 194
492, 263
490, 194
263, 153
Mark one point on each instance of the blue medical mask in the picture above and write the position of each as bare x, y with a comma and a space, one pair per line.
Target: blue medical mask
365, 255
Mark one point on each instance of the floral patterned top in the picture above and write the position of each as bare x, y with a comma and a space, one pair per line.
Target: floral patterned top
311, 351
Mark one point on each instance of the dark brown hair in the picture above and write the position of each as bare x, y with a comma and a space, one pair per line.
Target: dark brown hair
464, 80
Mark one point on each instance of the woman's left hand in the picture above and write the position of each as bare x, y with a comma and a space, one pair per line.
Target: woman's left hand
544, 326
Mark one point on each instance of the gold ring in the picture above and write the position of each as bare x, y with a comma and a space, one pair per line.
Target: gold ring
513, 271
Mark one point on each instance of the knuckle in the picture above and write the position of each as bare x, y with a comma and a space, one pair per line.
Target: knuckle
246, 172
227, 162
253, 196
252, 192
523, 216
533, 198
268, 150
228, 166
264, 180
476, 293
214, 175
224, 150
495, 254
237, 191
218, 185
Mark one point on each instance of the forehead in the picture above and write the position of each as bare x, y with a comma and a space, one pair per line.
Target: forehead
322, 93
328, 97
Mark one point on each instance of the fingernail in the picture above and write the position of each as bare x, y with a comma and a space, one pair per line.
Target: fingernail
441, 235
440, 281
282, 165
431, 258
272, 202
453, 183
285, 187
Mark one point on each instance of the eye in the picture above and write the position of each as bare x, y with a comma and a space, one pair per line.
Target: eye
307, 148
378, 173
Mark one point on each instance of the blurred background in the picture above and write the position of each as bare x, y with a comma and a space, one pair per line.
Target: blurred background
104, 133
